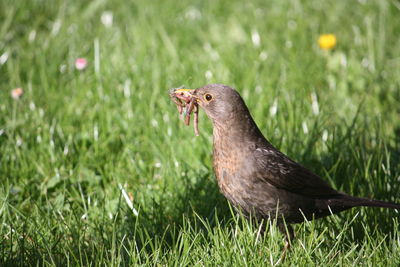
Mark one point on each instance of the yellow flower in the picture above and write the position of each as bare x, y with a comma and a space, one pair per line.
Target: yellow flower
327, 41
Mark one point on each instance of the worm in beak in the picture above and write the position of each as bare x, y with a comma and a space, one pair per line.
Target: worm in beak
186, 102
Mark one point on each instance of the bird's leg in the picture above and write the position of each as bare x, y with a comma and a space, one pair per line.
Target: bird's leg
288, 232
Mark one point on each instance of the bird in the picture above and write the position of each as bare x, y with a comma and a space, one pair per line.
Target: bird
257, 178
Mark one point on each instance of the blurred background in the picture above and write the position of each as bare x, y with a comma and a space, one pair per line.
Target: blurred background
89, 136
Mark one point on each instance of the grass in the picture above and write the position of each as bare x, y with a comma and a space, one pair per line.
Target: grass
74, 137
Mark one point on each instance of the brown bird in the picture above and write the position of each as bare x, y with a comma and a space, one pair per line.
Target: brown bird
255, 176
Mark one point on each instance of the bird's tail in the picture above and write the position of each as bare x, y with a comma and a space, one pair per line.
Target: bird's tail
378, 203
365, 202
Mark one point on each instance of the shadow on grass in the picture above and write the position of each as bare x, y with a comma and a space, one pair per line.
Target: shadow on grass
200, 200
357, 167
160, 227
344, 162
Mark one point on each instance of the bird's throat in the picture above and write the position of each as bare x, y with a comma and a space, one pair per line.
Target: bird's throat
237, 130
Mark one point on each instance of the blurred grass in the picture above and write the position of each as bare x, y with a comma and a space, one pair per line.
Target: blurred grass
74, 136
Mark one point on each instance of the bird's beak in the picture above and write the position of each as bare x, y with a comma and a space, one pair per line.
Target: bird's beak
184, 90
184, 94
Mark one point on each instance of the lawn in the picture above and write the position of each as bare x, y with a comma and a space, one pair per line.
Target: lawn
96, 168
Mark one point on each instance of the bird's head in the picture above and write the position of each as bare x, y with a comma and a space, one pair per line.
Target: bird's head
220, 102
224, 106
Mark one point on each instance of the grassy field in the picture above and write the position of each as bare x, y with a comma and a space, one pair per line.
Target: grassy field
77, 141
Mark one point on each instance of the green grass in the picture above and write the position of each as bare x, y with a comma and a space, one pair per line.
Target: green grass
74, 137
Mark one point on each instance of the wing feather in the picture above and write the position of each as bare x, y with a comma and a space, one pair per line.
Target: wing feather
279, 170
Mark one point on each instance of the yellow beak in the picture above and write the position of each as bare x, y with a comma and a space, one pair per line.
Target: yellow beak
190, 91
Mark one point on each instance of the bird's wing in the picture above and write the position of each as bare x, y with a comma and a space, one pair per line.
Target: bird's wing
279, 170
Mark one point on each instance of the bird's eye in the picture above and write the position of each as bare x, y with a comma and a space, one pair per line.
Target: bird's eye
208, 97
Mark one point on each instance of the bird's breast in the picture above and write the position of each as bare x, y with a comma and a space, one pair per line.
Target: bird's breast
228, 166
225, 157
